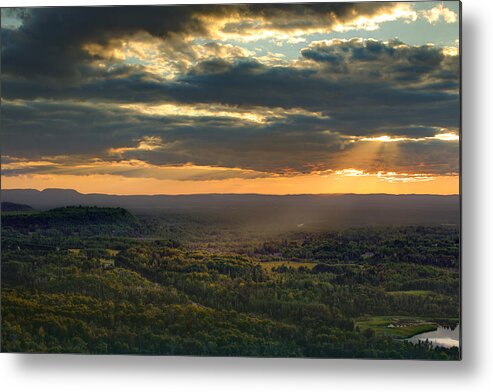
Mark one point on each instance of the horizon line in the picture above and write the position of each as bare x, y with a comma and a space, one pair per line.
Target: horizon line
239, 194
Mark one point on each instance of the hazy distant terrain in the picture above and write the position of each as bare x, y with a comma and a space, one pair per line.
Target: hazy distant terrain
290, 212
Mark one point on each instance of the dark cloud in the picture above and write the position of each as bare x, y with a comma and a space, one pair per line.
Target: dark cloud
386, 61
76, 129
293, 144
249, 83
50, 43
297, 142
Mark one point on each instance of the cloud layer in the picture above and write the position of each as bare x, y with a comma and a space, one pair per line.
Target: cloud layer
182, 93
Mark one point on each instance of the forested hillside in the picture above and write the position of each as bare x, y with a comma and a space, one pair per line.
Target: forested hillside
70, 220
99, 280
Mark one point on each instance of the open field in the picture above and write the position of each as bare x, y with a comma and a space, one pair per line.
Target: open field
269, 265
397, 326
411, 292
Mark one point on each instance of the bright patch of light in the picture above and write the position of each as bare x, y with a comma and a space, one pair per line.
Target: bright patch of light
255, 114
401, 11
447, 137
351, 173
394, 177
450, 51
390, 176
384, 139
147, 143
440, 12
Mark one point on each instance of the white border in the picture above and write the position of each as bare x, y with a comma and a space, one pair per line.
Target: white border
474, 373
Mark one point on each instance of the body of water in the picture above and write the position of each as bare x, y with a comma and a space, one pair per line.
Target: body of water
441, 337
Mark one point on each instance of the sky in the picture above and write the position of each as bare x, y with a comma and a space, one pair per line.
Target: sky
258, 98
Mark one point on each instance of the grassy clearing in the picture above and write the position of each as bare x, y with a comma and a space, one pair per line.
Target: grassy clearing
268, 265
411, 292
112, 252
397, 326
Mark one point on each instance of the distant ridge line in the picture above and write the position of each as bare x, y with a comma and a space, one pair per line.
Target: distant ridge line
334, 210
73, 191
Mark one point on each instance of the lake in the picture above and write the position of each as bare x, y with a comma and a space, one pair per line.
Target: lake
441, 337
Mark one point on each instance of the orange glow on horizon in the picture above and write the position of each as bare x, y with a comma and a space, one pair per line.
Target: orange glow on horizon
336, 182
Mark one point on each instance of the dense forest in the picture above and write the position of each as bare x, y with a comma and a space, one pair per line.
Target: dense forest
101, 280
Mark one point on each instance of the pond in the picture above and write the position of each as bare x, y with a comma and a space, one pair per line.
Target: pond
441, 337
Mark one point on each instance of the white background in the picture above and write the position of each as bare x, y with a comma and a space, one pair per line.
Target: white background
473, 373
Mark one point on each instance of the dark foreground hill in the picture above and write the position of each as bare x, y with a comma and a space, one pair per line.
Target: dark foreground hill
14, 207
291, 211
74, 219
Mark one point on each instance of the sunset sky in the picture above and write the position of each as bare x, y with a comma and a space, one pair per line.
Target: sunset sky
259, 98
